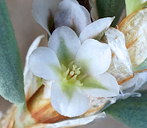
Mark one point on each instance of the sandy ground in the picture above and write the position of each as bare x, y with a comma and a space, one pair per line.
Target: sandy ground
26, 30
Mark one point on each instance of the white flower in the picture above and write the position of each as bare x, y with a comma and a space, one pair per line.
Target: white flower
76, 70
69, 13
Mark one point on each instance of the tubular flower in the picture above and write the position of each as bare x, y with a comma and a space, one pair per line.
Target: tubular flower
75, 70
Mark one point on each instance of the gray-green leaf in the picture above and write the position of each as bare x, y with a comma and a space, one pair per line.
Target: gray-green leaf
131, 111
111, 8
11, 78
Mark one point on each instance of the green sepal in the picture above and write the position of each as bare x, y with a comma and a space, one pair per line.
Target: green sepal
11, 76
131, 111
109, 8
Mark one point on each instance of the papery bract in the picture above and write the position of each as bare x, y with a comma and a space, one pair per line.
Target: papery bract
121, 66
31, 82
134, 29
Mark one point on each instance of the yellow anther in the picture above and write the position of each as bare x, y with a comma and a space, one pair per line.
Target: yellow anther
77, 72
67, 72
71, 73
74, 67
74, 77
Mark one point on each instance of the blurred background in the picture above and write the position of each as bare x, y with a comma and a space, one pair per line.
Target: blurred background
26, 30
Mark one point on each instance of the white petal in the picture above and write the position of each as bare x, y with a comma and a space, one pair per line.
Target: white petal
33, 46
42, 10
65, 43
96, 29
72, 14
94, 56
71, 107
44, 63
116, 41
109, 83
30, 81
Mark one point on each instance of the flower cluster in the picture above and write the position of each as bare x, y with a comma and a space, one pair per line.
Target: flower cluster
84, 59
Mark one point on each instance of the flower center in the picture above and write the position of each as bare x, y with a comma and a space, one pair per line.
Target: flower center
70, 78
74, 71
71, 75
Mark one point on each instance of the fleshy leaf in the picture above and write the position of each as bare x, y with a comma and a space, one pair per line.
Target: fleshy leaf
134, 5
11, 76
131, 111
108, 8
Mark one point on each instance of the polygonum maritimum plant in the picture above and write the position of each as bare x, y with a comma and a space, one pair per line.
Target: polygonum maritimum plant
70, 81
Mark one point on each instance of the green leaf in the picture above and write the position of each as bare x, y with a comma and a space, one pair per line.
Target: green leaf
111, 8
134, 5
131, 111
11, 78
